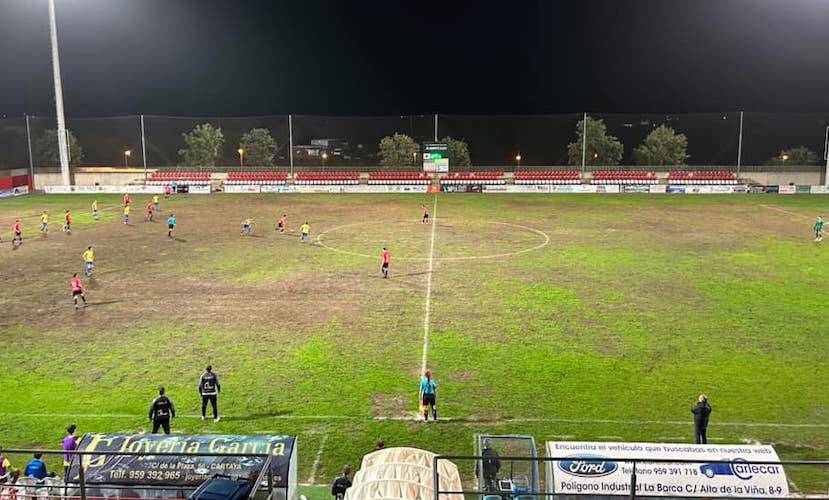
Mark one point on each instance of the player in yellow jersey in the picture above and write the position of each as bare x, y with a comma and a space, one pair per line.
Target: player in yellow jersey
126, 214
95, 209
247, 227
44, 223
88, 260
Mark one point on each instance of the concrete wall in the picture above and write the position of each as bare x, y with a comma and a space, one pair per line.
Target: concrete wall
89, 179
784, 178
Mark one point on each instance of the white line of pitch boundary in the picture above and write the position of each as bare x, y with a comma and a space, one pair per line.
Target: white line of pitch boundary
312, 478
461, 420
783, 210
428, 306
544, 235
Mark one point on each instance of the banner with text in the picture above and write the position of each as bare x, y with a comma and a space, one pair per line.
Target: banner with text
138, 189
595, 468
179, 470
17, 191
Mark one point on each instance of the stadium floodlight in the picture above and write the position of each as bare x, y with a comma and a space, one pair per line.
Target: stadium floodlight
127, 155
784, 157
324, 157
518, 160
63, 144
241, 157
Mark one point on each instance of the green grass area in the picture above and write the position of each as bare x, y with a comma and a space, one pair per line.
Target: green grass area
636, 305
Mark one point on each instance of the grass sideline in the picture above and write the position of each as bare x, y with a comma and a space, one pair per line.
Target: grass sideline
638, 304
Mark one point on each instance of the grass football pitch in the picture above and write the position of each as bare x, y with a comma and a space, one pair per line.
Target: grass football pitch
566, 317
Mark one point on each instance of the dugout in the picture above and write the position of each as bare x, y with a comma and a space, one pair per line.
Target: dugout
506, 477
174, 466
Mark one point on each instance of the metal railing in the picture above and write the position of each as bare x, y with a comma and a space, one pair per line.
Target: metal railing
82, 486
633, 476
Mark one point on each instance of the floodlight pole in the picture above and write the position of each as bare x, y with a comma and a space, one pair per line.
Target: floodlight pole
740, 144
436, 127
584, 143
143, 150
291, 142
31, 162
63, 146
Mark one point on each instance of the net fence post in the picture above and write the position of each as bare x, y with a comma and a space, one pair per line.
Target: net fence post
435, 480
826, 155
633, 481
143, 150
584, 143
31, 161
740, 145
436, 127
81, 478
291, 142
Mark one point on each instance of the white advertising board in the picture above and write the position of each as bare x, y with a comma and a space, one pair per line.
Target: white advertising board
819, 190
787, 189
198, 189
103, 189
242, 188
16, 191
550, 188
596, 468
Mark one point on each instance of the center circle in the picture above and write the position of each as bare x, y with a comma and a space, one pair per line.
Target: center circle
457, 240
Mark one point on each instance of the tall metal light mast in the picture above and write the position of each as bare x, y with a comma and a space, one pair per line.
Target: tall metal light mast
63, 146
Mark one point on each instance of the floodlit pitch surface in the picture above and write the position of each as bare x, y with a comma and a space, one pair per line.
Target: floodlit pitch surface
564, 317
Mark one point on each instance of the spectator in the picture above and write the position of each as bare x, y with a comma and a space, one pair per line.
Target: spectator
209, 389
381, 445
162, 410
70, 443
490, 466
701, 412
5, 466
37, 468
341, 484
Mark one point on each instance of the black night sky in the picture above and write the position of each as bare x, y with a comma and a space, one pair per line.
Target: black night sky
225, 58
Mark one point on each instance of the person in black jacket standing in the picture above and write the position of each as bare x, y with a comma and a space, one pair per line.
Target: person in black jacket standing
341, 484
162, 410
701, 412
209, 389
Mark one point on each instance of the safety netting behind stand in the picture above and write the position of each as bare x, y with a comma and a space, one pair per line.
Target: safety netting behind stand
403, 473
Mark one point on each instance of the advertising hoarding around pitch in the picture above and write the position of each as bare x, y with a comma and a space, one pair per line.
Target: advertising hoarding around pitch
185, 467
596, 468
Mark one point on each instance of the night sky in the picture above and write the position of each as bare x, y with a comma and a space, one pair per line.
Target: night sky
225, 58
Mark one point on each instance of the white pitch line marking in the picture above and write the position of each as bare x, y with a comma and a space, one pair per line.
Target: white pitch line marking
541, 245
312, 478
469, 420
783, 210
428, 306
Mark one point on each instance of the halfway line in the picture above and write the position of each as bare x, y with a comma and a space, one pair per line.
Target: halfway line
428, 306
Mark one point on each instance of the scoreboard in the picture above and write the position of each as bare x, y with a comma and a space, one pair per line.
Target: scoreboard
435, 157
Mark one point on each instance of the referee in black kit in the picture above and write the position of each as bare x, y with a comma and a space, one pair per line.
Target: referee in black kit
209, 389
